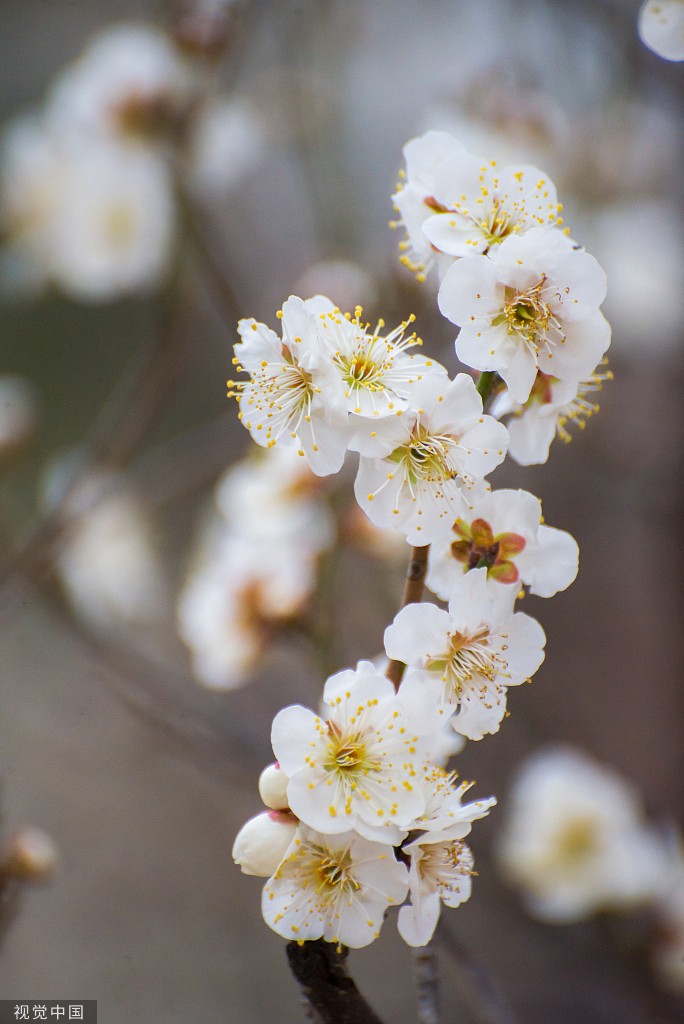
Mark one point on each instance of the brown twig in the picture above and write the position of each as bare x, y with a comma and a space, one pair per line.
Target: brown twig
490, 1003
427, 984
320, 969
413, 594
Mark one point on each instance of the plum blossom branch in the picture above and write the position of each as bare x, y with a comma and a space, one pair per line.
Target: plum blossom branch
320, 969
413, 594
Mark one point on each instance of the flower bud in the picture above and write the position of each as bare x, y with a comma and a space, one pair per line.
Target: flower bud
30, 854
262, 841
273, 787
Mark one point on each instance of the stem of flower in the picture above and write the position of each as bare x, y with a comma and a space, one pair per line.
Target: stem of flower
484, 384
413, 594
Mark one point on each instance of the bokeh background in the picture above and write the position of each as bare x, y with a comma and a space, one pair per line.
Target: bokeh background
141, 775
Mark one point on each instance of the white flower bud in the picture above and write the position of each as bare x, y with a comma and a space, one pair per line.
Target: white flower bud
262, 841
273, 787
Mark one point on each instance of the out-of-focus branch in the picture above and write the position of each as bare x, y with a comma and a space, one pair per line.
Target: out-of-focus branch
320, 969
219, 744
490, 1004
413, 593
427, 984
112, 441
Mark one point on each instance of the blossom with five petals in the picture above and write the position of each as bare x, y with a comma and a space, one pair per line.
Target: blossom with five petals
504, 534
420, 470
468, 656
532, 304
334, 887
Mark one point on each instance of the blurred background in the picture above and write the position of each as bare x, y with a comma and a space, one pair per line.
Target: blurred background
254, 158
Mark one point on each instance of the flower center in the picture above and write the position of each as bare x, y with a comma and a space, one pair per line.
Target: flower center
498, 225
478, 548
468, 657
446, 865
426, 456
527, 315
361, 370
331, 873
576, 842
348, 755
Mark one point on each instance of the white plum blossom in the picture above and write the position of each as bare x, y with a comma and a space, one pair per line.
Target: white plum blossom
275, 495
575, 841
504, 534
378, 373
294, 397
422, 469
412, 199
440, 871
532, 304
335, 887
114, 230
553, 406
359, 769
238, 589
108, 564
130, 84
661, 27
468, 655
444, 809
255, 565
97, 220
455, 204
261, 843
440, 865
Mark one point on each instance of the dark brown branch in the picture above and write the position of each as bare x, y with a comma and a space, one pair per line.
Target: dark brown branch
413, 594
320, 969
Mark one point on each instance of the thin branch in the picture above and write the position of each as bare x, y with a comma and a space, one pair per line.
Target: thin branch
413, 594
320, 969
486, 997
427, 984
112, 440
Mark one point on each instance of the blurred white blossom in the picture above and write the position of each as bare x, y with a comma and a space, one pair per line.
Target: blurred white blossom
96, 220
575, 840
255, 564
130, 83
661, 27
107, 564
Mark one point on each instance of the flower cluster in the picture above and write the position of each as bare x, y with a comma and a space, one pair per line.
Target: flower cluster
88, 184
255, 565
525, 296
361, 817
362, 813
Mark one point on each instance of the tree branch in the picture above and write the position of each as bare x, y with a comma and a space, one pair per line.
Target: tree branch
427, 984
413, 594
320, 969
